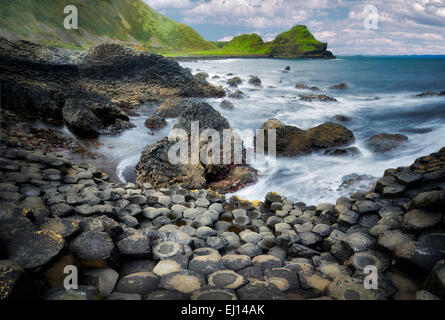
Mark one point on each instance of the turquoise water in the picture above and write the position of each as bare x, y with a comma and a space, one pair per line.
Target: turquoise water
380, 99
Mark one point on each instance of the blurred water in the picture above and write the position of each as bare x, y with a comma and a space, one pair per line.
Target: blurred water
381, 98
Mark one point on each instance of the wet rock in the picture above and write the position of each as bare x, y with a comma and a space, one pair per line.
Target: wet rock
202, 76
431, 201
386, 142
259, 290
234, 82
352, 151
34, 249
367, 207
225, 104
154, 167
238, 94
358, 242
415, 257
341, 118
134, 246
155, 122
255, 81
340, 86
435, 282
430, 94
290, 140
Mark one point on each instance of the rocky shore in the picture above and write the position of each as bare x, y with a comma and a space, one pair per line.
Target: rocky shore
93, 91
174, 243
174, 234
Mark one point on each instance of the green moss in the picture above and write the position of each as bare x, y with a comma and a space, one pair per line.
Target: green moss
297, 42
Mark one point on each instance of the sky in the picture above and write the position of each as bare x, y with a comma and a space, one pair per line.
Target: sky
374, 27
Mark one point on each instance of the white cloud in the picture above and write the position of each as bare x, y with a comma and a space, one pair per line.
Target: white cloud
226, 39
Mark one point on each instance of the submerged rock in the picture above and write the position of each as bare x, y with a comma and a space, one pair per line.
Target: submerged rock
431, 94
385, 142
225, 104
292, 141
255, 81
330, 135
234, 82
340, 86
155, 122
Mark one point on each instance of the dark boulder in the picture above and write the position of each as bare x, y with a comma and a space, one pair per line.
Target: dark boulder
431, 94
155, 122
385, 142
317, 97
255, 81
340, 86
225, 104
234, 82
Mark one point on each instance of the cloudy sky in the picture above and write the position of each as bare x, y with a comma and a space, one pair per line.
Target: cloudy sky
403, 26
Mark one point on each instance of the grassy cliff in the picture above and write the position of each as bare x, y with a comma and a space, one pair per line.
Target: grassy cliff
128, 21
295, 43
